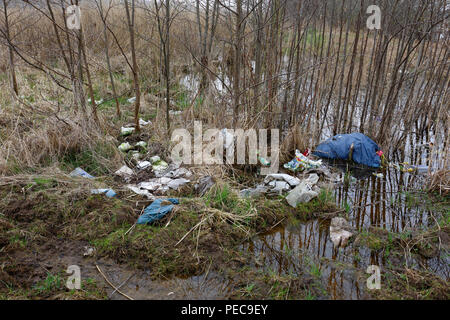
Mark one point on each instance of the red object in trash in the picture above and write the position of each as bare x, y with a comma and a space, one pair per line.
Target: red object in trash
306, 153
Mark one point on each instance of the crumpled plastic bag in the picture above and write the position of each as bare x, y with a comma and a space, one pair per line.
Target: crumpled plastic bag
157, 210
78, 172
304, 191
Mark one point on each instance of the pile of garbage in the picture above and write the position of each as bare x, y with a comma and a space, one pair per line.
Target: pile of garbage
170, 177
300, 191
301, 162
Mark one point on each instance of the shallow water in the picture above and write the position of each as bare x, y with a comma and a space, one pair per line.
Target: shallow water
383, 203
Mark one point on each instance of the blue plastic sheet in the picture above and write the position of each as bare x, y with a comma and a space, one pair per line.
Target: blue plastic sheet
338, 147
156, 211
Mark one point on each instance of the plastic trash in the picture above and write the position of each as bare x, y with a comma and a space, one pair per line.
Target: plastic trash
78, 172
124, 147
253, 192
142, 144
278, 187
132, 99
143, 122
339, 233
264, 161
176, 183
378, 175
354, 146
301, 162
143, 165
174, 112
141, 192
157, 210
177, 173
124, 172
293, 181
108, 192
203, 185
303, 192
155, 159
96, 101
160, 165
125, 131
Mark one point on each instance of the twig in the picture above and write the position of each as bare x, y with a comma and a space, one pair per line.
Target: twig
116, 289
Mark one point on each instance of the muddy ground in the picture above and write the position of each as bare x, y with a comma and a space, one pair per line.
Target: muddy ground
243, 248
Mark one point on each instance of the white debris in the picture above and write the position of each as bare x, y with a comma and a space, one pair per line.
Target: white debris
143, 122
125, 131
304, 191
160, 165
143, 165
124, 147
338, 233
293, 181
155, 159
140, 191
178, 173
131, 100
142, 144
176, 183
88, 251
174, 112
124, 172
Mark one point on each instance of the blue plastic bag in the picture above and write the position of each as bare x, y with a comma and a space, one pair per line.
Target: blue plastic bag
156, 211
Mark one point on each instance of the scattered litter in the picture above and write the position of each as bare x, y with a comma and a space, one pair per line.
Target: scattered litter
203, 185
143, 122
162, 184
174, 112
180, 172
108, 192
96, 101
131, 100
304, 191
143, 165
142, 144
378, 175
254, 192
275, 183
157, 210
141, 192
155, 159
124, 147
88, 251
293, 181
264, 161
176, 183
301, 162
338, 232
136, 155
126, 131
78, 172
160, 165
124, 172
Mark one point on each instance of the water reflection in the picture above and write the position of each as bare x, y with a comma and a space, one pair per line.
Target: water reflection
374, 202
